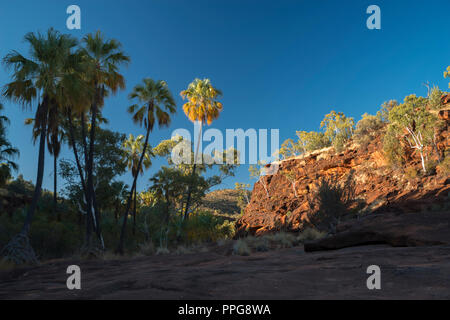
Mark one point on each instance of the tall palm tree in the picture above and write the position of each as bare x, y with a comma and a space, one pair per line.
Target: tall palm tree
36, 79
104, 57
201, 106
156, 104
7, 151
133, 148
54, 137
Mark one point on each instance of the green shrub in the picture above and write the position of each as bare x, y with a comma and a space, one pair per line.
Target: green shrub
332, 202
206, 227
338, 129
367, 128
311, 141
393, 149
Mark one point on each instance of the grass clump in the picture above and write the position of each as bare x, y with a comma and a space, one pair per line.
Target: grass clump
241, 248
310, 234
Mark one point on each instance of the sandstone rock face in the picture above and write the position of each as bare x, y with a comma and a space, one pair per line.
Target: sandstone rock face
382, 188
396, 230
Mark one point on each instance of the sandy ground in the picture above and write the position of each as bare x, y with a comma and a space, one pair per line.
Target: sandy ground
406, 273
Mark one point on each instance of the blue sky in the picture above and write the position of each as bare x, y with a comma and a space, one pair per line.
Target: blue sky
280, 64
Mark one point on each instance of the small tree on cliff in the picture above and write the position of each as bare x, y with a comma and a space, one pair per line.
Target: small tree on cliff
259, 172
386, 107
447, 74
367, 128
292, 177
311, 141
289, 148
244, 194
411, 122
338, 129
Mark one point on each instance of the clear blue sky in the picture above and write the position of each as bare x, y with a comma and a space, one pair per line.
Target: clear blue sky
280, 64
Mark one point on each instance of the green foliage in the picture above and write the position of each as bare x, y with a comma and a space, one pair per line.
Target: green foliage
311, 141
392, 148
447, 74
386, 107
435, 98
338, 129
108, 157
7, 152
307, 142
205, 227
244, 194
413, 124
133, 148
367, 128
258, 172
289, 149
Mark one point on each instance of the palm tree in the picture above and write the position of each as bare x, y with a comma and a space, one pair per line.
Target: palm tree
133, 148
104, 58
156, 105
36, 79
54, 138
7, 152
119, 193
201, 106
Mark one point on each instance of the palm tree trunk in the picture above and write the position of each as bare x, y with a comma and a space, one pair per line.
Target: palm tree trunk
89, 214
188, 200
134, 211
55, 188
75, 152
133, 188
42, 114
90, 162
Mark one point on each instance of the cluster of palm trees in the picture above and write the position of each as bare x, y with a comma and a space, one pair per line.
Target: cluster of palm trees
66, 82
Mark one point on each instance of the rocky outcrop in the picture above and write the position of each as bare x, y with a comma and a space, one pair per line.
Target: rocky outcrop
397, 230
382, 188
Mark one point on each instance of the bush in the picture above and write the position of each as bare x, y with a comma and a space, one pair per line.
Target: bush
206, 227
311, 141
310, 234
332, 202
393, 149
338, 129
444, 166
241, 248
283, 240
411, 173
367, 128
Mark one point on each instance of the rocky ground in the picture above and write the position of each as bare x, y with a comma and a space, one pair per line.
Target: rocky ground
421, 271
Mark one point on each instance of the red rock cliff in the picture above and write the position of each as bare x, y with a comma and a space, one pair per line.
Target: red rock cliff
382, 188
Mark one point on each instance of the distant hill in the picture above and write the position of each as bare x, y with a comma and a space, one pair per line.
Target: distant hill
222, 202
